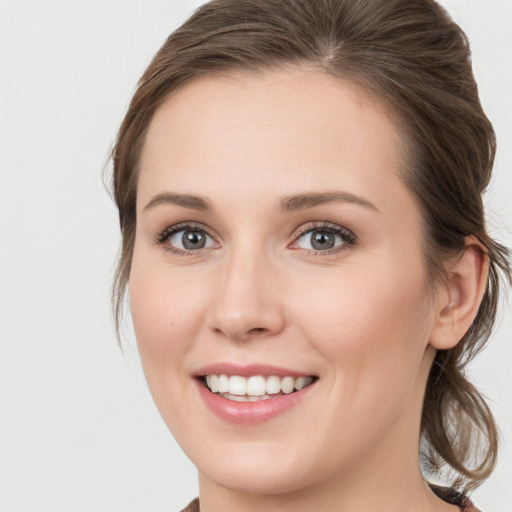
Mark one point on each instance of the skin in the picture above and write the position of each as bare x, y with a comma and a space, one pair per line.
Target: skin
361, 318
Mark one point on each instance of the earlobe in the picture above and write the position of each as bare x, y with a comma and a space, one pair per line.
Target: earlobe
461, 296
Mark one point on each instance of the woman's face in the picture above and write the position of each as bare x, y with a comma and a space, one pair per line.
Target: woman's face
276, 248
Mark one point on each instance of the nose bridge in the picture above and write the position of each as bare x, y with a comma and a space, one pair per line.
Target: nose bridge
246, 302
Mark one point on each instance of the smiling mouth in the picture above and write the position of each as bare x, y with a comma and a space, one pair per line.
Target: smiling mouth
255, 388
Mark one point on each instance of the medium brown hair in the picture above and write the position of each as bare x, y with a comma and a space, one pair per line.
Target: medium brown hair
414, 58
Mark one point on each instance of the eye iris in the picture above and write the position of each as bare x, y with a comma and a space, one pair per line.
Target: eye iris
322, 240
193, 240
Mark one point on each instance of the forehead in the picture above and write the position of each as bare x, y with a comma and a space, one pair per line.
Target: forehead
284, 131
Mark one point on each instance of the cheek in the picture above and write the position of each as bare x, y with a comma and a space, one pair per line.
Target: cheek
371, 329
371, 325
167, 312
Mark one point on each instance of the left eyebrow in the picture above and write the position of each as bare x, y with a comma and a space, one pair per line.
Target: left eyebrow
311, 199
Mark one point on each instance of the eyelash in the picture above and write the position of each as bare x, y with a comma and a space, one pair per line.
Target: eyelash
349, 239
162, 237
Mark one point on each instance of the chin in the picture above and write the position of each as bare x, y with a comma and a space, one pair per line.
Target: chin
258, 480
262, 470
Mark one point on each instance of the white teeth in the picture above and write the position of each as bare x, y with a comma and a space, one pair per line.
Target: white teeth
273, 385
244, 398
214, 383
236, 398
256, 387
223, 383
237, 385
301, 382
287, 385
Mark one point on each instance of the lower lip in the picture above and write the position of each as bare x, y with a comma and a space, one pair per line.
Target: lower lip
250, 413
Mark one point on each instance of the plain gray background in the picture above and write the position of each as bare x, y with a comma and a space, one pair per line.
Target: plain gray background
78, 429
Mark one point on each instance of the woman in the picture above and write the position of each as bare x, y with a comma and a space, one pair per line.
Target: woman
299, 185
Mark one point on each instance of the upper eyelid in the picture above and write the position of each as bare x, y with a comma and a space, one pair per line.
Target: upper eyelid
164, 234
184, 226
319, 225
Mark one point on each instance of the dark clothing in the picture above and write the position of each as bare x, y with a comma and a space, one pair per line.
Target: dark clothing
454, 498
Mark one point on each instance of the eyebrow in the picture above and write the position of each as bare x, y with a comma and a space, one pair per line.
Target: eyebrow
184, 200
286, 204
312, 199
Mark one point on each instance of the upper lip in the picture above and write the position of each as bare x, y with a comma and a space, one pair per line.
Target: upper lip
225, 368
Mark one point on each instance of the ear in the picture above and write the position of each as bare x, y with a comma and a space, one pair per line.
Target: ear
460, 297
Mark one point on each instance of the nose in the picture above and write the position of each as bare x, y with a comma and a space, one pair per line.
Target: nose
247, 303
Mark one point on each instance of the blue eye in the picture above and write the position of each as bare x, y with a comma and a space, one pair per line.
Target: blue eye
183, 239
324, 239
190, 240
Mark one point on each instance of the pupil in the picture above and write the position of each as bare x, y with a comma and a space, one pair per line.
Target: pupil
193, 240
322, 240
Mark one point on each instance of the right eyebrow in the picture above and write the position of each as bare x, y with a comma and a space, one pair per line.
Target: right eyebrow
184, 200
